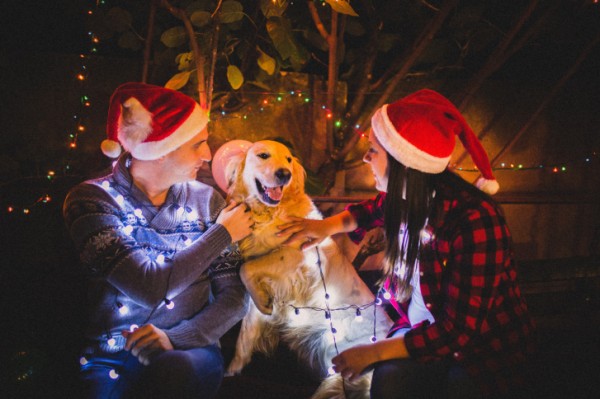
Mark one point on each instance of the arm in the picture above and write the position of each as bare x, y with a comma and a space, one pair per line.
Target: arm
356, 219
311, 232
94, 220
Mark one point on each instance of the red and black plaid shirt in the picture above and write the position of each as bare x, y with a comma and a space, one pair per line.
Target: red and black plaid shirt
468, 283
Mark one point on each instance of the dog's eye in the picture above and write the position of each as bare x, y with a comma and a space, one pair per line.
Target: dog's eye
289, 159
263, 155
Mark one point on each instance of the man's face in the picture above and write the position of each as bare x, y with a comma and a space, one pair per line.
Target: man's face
183, 163
376, 156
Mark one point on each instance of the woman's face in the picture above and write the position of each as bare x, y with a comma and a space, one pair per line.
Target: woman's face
376, 156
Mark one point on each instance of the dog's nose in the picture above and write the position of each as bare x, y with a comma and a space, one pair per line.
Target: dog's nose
283, 176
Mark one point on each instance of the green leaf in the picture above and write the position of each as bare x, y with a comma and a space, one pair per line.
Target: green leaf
273, 8
201, 5
280, 32
315, 39
235, 77
231, 11
173, 37
266, 62
185, 61
260, 84
342, 6
178, 80
118, 19
354, 28
129, 40
200, 18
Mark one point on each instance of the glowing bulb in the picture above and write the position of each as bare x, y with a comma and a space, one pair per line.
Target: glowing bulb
169, 304
113, 374
358, 317
10, 209
179, 211
188, 241
83, 361
331, 370
373, 339
128, 229
111, 342
26, 211
105, 185
138, 212
133, 327
123, 309
120, 200
378, 301
386, 295
160, 258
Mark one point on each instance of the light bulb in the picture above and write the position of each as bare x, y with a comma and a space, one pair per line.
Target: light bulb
138, 212
111, 342
83, 361
169, 304
133, 327
128, 229
123, 309
331, 371
113, 374
160, 258
120, 200
373, 339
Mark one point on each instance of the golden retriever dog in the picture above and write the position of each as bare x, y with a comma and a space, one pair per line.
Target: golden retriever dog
311, 300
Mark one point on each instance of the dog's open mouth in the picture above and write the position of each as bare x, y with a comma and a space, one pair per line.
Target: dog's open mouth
270, 195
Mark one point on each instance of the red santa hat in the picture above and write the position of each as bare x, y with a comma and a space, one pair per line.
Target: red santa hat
150, 121
419, 132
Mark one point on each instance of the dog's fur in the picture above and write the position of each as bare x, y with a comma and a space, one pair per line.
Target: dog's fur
277, 276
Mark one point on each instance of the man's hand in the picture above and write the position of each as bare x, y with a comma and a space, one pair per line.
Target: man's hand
146, 341
237, 220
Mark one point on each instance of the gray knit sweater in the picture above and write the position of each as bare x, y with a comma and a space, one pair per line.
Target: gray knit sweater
172, 267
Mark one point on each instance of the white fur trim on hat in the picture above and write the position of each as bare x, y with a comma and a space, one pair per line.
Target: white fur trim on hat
193, 125
402, 150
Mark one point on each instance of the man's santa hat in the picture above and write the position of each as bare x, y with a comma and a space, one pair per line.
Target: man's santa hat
419, 132
150, 121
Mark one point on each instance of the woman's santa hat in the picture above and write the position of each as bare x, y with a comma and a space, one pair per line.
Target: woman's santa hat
419, 132
150, 121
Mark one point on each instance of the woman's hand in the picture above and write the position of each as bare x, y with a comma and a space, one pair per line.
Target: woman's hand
237, 220
308, 232
146, 341
354, 361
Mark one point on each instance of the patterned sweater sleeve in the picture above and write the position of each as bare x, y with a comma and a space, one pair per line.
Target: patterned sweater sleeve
480, 250
92, 217
229, 306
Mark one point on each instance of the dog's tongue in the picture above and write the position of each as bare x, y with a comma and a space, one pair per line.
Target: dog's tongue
275, 193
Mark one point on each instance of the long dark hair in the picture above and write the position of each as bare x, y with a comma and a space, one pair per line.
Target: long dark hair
408, 212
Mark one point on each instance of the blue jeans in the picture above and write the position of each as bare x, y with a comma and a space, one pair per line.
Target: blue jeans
192, 373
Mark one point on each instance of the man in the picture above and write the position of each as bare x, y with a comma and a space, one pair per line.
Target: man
157, 246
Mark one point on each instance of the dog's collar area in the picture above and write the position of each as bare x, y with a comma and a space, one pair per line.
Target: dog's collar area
269, 195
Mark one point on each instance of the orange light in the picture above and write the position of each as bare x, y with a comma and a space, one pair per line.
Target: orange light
10, 209
265, 101
80, 76
73, 145
96, 40
26, 211
555, 169
81, 128
329, 115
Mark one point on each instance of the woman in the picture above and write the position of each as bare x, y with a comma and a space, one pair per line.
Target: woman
463, 327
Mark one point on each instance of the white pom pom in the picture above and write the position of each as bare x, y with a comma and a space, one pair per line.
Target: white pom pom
490, 187
110, 148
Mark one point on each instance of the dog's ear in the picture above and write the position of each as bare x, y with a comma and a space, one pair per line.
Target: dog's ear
299, 176
232, 170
